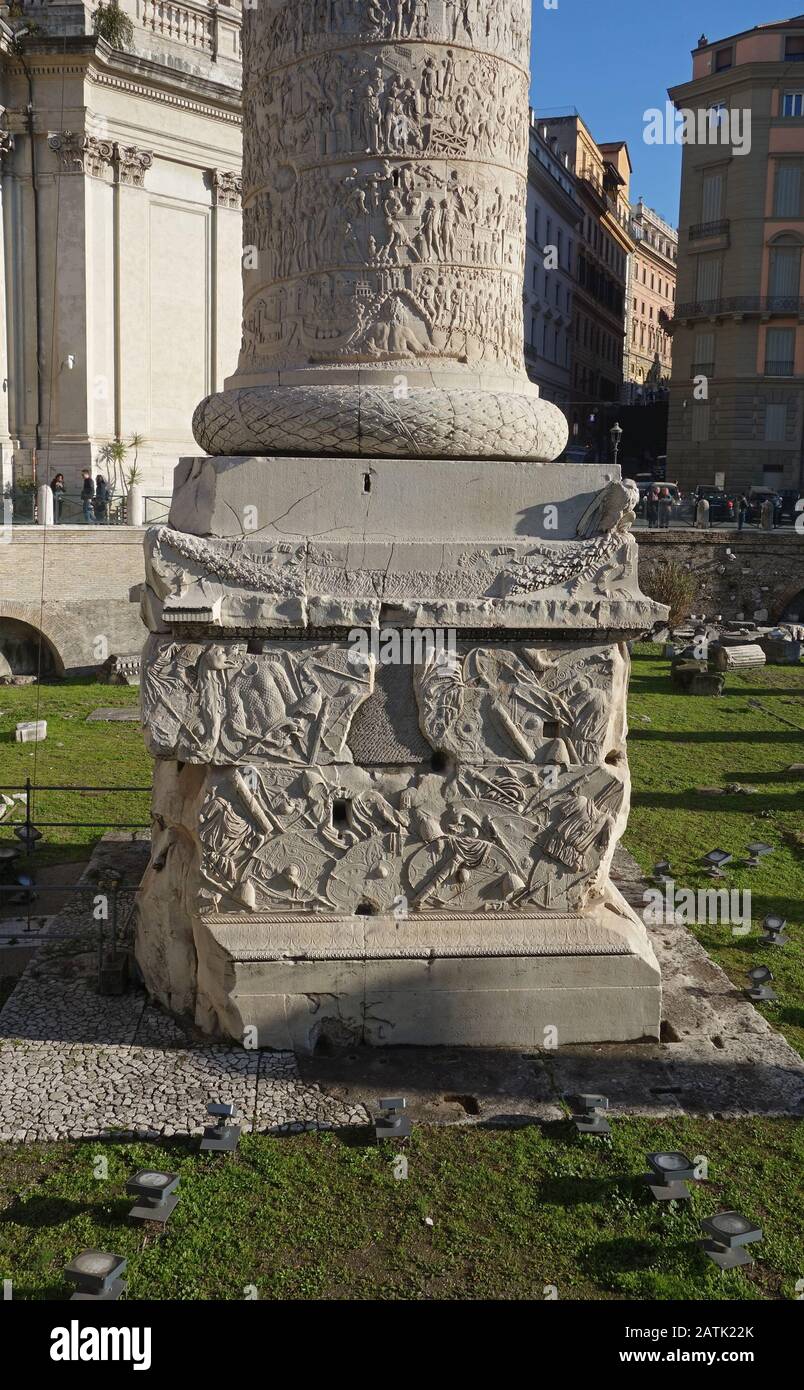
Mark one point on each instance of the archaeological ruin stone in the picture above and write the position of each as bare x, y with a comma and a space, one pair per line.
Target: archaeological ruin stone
385, 686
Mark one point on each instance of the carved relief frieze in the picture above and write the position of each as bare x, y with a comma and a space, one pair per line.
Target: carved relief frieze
220, 702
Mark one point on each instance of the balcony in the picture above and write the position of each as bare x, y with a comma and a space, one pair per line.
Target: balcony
780, 368
706, 369
709, 229
740, 304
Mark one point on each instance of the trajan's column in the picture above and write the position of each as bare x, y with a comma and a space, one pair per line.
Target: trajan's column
385, 684
385, 178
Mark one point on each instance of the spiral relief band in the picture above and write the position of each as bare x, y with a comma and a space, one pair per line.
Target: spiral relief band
385, 185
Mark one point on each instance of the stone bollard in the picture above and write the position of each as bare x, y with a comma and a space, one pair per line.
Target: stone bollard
136, 506
44, 505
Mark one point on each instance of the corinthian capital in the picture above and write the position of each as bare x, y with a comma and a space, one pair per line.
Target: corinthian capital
227, 188
132, 164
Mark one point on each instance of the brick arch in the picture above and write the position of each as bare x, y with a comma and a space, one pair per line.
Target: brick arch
58, 637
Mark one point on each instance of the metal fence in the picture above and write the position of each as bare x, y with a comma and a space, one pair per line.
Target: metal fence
17, 863
69, 509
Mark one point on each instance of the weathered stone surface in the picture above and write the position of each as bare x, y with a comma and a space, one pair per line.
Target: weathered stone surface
455, 872
384, 192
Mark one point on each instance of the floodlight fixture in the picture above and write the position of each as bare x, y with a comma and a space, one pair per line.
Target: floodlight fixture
669, 1175
221, 1137
392, 1122
727, 1233
28, 834
759, 990
756, 853
773, 930
157, 1194
717, 859
588, 1113
662, 870
97, 1276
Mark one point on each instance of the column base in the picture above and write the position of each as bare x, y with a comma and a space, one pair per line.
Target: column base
496, 980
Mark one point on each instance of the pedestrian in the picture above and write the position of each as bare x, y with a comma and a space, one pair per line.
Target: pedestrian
57, 488
665, 508
766, 514
101, 500
652, 508
743, 508
87, 495
702, 514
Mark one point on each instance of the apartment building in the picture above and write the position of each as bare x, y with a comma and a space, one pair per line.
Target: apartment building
650, 304
603, 174
737, 385
554, 220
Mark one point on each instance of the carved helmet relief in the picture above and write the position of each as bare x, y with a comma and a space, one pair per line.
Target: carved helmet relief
384, 196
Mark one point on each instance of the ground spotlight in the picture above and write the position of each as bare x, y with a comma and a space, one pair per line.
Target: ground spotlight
661, 871
392, 1122
727, 1233
760, 977
588, 1113
773, 930
157, 1193
669, 1175
717, 859
756, 853
96, 1275
222, 1137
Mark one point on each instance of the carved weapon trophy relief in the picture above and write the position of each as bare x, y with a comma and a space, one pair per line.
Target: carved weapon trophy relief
387, 209
523, 817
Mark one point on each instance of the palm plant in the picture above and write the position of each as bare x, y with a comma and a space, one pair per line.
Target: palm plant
111, 23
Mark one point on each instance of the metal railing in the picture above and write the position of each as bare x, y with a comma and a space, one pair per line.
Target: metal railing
68, 509
156, 509
741, 303
705, 229
780, 368
108, 881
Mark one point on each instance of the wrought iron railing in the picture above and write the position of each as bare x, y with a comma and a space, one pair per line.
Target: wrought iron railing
741, 304
706, 229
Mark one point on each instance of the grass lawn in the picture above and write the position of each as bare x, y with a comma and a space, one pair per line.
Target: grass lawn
681, 743
97, 754
322, 1215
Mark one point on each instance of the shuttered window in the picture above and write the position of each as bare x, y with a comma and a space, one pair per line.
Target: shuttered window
712, 200
708, 278
785, 272
787, 189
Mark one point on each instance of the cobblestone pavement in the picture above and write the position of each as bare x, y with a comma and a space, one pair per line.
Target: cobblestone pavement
74, 1064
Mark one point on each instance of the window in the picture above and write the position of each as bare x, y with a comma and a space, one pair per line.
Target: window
793, 104
787, 189
712, 197
775, 423
718, 114
794, 49
703, 357
536, 225
700, 422
724, 58
780, 351
785, 272
708, 282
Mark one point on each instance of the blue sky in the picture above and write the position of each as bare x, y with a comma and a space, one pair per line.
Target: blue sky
614, 59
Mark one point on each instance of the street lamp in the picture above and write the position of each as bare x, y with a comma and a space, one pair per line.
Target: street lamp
616, 436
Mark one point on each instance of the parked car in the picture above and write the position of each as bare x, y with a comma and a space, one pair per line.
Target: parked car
722, 507
756, 498
790, 496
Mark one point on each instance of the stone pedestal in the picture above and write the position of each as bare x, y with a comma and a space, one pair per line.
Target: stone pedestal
391, 772
386, 679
